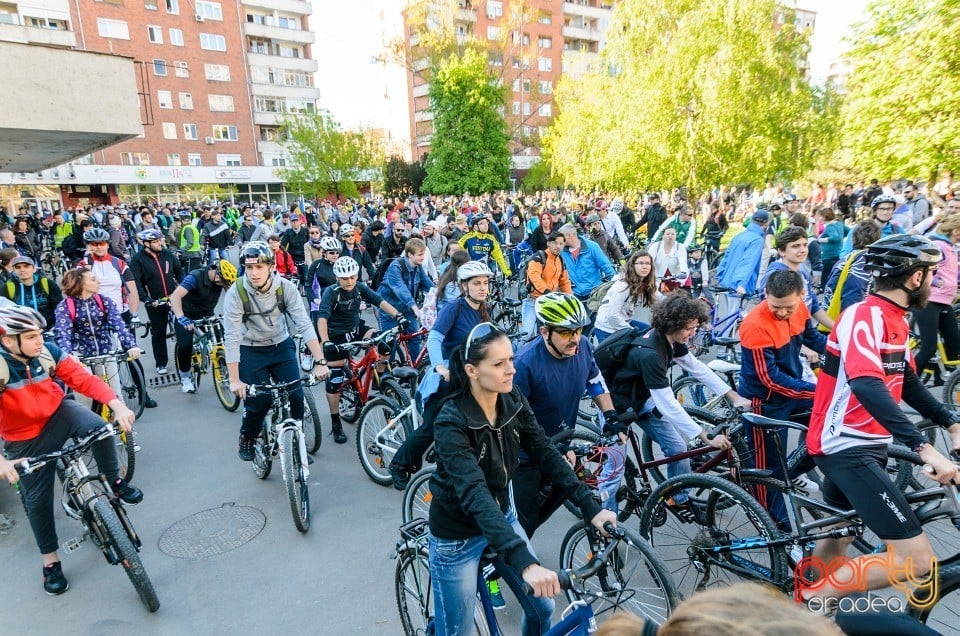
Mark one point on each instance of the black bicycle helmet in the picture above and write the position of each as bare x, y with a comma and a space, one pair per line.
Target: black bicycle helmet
96, 235
899, 253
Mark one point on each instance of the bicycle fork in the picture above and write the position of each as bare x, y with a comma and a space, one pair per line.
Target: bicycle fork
301, 447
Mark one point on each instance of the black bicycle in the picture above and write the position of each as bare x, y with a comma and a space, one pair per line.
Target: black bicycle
88, 498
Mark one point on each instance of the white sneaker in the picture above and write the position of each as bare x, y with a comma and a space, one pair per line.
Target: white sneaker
186, 386
161, 370
805, 485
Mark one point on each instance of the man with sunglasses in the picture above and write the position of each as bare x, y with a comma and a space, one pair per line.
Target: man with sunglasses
348, 236
684, 222
293, 240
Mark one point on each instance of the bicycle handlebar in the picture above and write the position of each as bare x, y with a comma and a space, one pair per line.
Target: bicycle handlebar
570, 576
280, 387
119, 356
369, 342
33, 464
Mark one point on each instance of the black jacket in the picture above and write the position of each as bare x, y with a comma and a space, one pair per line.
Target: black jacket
392, 248
475, 463
360, 255
372, 243
293, 242
156, 277
654, 216
202, 301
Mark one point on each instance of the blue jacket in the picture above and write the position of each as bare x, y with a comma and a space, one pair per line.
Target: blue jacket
402, 284
741, 262
887, 229
589, 269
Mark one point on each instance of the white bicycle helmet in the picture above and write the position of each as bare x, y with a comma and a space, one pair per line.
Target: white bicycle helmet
345, 267
330, 244
617, 206
17, 319
472, 269
347, 230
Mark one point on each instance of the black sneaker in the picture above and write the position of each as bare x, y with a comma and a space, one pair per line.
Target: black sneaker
129, 494
338, 435
246, 449
54, 582
149, 403
400, 475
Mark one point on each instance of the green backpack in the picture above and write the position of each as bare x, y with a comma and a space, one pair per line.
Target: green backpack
248, 308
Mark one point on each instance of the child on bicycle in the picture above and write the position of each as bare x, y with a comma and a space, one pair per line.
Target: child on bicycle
339, 321
36, 419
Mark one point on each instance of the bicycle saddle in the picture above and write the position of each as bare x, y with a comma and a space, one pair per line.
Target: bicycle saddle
769, 422
405, 373
722, 366
512, 302
726, 341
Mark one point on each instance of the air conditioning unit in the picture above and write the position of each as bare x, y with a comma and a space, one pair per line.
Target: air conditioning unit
209, 140
198, 18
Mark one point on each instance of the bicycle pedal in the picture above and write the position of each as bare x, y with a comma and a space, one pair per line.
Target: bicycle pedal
72, 545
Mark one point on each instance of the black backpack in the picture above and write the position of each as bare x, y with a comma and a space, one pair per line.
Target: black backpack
381, 272
541, 257
610, 354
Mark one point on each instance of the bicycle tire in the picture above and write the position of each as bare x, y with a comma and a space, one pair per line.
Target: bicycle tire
951, 388
221, 382
377, 415
134, 395
938, 615
390, 388
417, 496
691, 392
351, 405
126, 455
579, 547
298, 493
106, 517
262, 462
712, 528
413, 591
312, 434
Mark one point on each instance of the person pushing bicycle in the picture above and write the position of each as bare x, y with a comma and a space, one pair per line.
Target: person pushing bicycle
36, 419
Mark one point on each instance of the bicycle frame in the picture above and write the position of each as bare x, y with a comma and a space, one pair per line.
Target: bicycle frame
400, 351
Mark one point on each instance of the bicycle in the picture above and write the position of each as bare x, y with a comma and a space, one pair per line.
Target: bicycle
723, 329
615, 563
384, 426
133, 396
87, 498
209, 354
284, 437
399, 355
363, 374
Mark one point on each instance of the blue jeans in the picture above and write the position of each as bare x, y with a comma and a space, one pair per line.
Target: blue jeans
529, 315
453, 578
671, 442
387, 322
216, 254
271, 363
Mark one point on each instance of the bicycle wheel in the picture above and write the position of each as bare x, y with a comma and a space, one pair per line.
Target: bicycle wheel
350, 404
414, 596
262, 462
294, 479
390, 388
126, 455
692, 392
417, 496
379, 437
636, 581
698, 553
105, 517
943, 613
951, 388
312, 434
221, 382
132, 386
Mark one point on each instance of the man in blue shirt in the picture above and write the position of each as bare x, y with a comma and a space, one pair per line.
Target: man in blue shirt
552, 372
740, 266
402, 285
792, 248
586, 263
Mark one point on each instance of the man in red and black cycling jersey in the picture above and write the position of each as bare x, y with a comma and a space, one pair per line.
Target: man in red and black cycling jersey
36, 419
856, 414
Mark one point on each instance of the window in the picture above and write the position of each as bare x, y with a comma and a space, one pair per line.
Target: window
288, 23
176, 37
46, 23
493, 33
160, 68
526, 108
181, 69
221, 103
155, 34
269, 104
210, 10
173, 159
169, 130
290, 51
114, 29
496, 59
217, 72
546, 87
225, 133
228, 160
526, 86
545, 42
193, 159
526, 39
186, 101
165, 99
545, 18
173, 6
301, 106
494, 9
269, 133
516, 85
545, 110
150, 5
190, 131
297, 78
134, 158
545, 64
211, 42
516, 108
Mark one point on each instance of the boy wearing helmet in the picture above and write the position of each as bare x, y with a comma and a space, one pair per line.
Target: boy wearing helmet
320, 275
258, 344
339, 321
36, 419
196, 297
856, 414
483, 245
156, 271
883, 206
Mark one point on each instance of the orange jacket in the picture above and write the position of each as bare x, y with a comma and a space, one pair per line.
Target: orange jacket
549, 276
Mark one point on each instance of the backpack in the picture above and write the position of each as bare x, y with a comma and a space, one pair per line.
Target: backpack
595, 299
44, 284
610, 354
248, 308
72, 305
381, 272
45, 358
540, 257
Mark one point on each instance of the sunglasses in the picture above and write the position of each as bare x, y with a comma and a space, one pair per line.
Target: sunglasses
482, 331
332, 251
314, 233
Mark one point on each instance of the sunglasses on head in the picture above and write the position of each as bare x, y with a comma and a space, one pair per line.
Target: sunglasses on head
481, 332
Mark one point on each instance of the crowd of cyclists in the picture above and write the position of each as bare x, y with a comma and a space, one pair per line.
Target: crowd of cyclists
835, 277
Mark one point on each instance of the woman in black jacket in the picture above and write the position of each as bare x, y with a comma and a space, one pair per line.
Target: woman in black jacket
479, 432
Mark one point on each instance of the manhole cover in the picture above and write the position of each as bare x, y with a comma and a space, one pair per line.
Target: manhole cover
211, 532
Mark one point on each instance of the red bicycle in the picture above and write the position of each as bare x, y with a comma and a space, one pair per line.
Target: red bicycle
399, 355
367, 373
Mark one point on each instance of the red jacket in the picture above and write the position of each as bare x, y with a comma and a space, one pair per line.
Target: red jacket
285, 264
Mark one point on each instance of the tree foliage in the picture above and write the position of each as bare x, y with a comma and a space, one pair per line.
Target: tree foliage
468, 150
324, 158
402, 178
901, 115
689, 92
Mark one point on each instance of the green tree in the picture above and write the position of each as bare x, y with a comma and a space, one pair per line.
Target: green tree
901, 114
540, 176
324, 158
468, 150
402, 178
689, 93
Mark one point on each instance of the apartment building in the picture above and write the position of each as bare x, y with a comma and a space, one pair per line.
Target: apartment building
532, 44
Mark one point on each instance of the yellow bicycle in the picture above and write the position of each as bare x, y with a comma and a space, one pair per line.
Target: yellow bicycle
131, 393
210, 354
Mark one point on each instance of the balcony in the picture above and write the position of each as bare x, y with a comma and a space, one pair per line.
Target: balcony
267, 119
270, 147
279, 33
423, 115
581, 33
575, 8
283, 6
465, 15
421, 91
281, 90
292, 63
37, 35
578, 63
